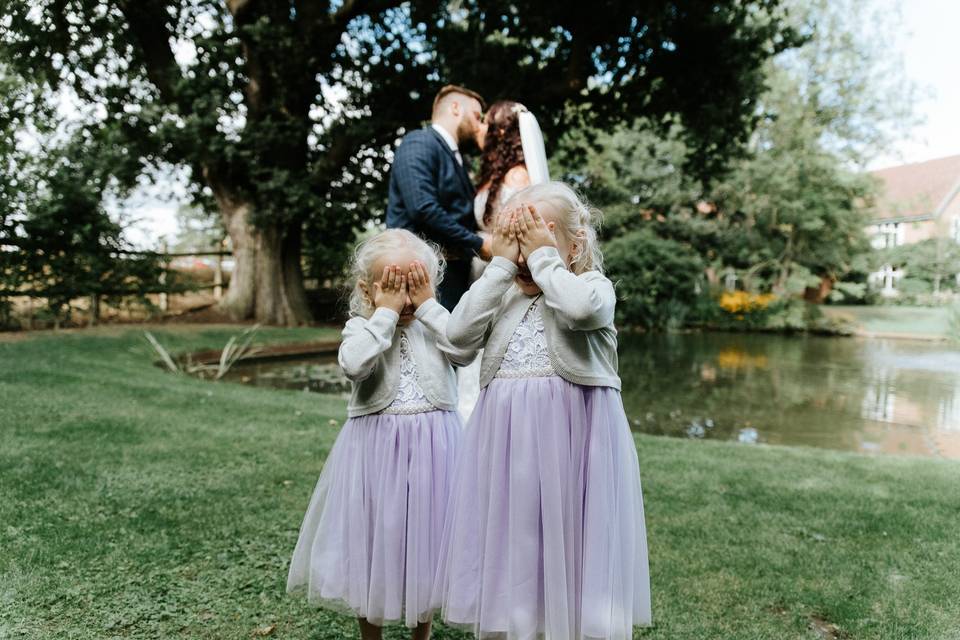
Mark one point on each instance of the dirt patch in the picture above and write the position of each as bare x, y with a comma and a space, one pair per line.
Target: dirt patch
826, 630
208, 313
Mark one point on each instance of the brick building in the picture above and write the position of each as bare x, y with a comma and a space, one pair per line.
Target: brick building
917, 202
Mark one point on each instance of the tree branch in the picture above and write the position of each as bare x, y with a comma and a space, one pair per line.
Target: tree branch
320, 30
342, 142
147, 20
238, 8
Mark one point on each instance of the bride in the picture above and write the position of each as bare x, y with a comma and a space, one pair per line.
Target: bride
513, 157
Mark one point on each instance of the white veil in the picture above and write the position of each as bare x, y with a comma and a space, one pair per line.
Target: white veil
534, 153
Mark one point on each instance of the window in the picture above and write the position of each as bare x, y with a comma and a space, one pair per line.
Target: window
887, 235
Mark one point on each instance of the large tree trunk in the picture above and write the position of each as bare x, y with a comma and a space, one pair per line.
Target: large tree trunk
267, 280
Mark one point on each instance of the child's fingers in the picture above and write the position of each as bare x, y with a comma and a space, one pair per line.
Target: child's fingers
400, 278
419, 275
384, 277
534, 214
412, 277
524, 220
509, 216
422, 274
390, 278
530, 216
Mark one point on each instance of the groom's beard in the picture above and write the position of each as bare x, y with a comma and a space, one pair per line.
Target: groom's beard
468, 146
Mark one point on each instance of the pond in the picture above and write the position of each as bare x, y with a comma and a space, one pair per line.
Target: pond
866, 395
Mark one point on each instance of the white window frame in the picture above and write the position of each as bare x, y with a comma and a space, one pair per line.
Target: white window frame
888, 235
892, 234
886, 279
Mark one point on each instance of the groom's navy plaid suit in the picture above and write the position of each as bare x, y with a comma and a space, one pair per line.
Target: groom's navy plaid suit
431, 195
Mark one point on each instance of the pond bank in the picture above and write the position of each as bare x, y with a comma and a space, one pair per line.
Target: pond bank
889, 321
138, 503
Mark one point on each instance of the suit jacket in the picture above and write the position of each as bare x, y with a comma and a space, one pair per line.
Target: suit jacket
431, 194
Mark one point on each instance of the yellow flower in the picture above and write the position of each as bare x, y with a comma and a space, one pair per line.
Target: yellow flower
742, 302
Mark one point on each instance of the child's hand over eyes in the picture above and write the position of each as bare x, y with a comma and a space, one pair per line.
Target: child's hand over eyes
418, 284
391, 291
532, 230
504, 241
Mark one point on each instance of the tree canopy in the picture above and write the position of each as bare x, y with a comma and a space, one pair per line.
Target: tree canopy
286, 111
790, 213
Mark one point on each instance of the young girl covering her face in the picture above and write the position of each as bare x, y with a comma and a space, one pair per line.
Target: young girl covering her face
370, 539
546, 530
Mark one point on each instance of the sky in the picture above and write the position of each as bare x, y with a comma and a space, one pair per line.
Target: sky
929, 46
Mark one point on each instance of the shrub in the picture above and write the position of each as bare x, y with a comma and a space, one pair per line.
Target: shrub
657, 279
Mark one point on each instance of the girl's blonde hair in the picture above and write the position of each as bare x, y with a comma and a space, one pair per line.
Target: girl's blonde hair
371, 249
577, 220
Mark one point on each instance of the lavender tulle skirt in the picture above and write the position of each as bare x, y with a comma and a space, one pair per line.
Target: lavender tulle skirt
370, 539
546, 532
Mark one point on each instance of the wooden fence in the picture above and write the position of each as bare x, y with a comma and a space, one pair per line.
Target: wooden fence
162, 292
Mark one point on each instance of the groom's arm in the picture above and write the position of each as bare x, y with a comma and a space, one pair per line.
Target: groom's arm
416, 181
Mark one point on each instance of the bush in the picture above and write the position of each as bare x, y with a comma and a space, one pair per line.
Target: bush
68, 247
853, 293
792, 314
657, 279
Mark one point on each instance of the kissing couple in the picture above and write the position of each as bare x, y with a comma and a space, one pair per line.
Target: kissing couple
432, 194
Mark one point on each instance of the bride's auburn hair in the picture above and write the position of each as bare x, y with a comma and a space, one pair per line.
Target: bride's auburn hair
576, 220
372, 249
502, 150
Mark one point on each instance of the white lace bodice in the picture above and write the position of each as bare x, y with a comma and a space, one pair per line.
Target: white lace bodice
410, 397
527, 355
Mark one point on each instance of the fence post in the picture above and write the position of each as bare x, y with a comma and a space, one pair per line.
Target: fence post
163, 277
94, 309
218, 274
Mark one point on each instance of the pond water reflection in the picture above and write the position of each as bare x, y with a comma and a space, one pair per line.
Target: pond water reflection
877, 396
872, 396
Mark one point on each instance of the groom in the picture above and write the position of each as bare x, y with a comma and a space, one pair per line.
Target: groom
431, 193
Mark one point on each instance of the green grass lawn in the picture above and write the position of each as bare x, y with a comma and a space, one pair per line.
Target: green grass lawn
919, 321
139, 504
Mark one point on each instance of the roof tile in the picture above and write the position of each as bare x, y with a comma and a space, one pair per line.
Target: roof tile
914, 190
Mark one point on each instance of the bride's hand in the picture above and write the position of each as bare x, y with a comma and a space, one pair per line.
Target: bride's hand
486, 249
504, 239
532, 231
